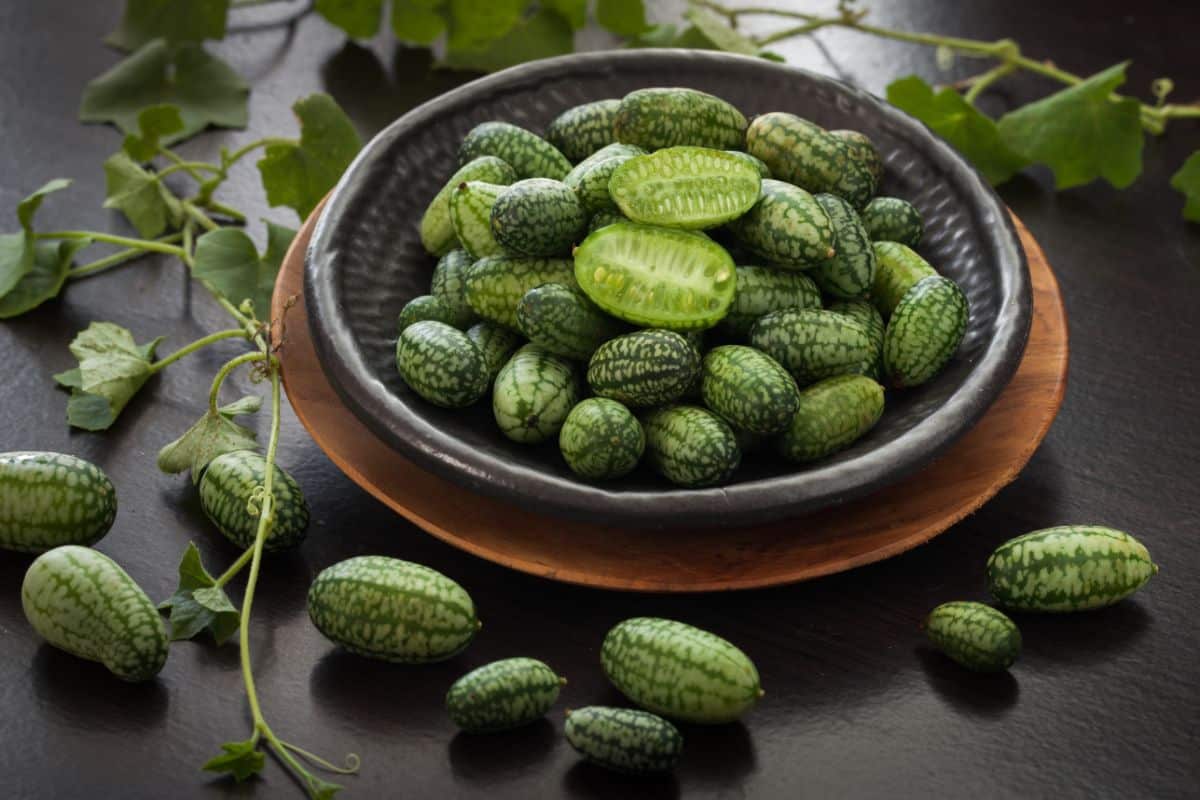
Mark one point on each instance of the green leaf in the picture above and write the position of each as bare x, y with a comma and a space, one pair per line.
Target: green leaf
543, 35
206, 90
319, 789
18, 251
473, 26
358, 18
112, 367
958, 122
173, 20
573, 11
239, 759
154, 123
198, 603
719, 32
51, 263
663, 35
1082, 132
1187, 181
299, 174
27, 208
148, 205
622, 17
417, 21
209, 437
227, 259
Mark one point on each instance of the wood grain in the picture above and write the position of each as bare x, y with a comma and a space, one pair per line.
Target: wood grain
889, 522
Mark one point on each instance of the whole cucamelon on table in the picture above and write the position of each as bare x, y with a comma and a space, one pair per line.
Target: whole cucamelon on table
503, 695
623, 739
680, 671
392, 610
81, 601
441, 364
975, 635
229, 489
533, 394
52, 499
1068, 568
601, 439
621, 262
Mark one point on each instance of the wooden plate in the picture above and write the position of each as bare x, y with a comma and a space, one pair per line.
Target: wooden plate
894, 520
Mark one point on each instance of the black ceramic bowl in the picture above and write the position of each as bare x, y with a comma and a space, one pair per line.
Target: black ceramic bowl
365, 262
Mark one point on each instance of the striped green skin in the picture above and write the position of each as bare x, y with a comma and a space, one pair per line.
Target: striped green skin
538, 217
449, 286
441, 364
530, 155
602, 219
680, 671
749, 389
471, 214
495, 343
425, 307
897, 269
582, 130
763, 170
787, 227
564, 321
685, 187
869, 317
831, 416
924, 331
797, 151
437, 231
669, 117
81, 601
851, 271
503, 695
977, 636
690, 446
624, 740
890, 219
656, 277
228, 486
589, 178
52, 499
696, 340
643, 368
495, 285
761, 290
601, 440
392, 610
533, 394
814, 344
858, 184
1068, 568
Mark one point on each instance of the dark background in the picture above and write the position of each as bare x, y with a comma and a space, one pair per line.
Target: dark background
1101, 704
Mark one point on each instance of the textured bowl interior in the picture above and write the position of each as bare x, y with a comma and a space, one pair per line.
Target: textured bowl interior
366, 262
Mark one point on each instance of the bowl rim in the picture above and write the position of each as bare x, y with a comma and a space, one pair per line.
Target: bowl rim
749, 502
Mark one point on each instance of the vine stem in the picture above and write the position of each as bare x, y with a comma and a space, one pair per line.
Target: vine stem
235, 567
238, 154
1153, 118
223, 373
117, 258
203, 219
196, 345
122, 241
190, 167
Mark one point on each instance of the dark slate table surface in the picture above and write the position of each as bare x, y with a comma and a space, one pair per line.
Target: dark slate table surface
1103, 704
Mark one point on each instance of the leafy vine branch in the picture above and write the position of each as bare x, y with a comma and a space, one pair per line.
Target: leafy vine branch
1153, 116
